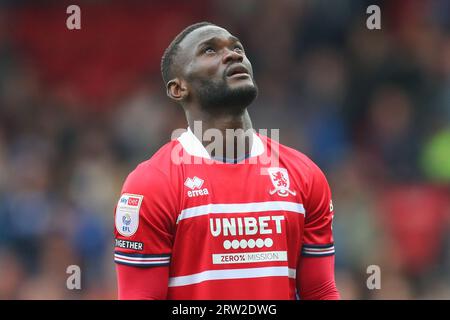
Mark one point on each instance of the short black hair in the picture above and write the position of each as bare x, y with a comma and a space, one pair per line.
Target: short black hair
171, 50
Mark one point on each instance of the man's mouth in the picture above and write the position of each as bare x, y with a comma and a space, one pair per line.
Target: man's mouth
237, 71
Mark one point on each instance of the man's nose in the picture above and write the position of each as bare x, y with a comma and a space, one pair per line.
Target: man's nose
231, 55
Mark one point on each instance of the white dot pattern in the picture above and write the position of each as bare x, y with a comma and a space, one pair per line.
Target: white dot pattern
251, 243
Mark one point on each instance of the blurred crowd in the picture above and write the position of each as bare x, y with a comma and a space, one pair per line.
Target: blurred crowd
80, 109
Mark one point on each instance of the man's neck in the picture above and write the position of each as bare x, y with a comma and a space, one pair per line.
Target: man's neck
225, 136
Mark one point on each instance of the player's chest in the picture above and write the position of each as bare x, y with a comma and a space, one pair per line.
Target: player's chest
236, 184
244, 208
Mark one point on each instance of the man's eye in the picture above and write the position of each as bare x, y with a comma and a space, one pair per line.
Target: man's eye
209, 50
238, 49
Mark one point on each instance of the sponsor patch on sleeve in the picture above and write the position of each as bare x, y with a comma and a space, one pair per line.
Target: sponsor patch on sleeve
125, 244
127, 214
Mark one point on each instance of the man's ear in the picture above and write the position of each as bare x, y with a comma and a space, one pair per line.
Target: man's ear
177, 89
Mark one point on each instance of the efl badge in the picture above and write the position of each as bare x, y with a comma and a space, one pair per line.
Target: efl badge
280, 180
127, 214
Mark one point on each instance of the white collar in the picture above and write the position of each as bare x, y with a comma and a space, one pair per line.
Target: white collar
194, 147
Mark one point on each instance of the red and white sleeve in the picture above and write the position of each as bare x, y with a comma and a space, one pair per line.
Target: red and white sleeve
145, 219
315, 273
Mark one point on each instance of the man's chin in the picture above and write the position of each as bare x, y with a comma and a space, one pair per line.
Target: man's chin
241, 86
234, 94
243, 95
239, 81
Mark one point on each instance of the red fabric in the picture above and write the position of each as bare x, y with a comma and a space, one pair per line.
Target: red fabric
315, 279
142, 283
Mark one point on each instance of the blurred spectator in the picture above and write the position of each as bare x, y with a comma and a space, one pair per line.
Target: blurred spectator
436, 155
414, 218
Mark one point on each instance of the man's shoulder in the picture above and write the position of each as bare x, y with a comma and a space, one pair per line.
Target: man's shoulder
299, 165
290, 155
154, 170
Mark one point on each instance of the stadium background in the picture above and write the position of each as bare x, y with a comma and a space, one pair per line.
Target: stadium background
79, 109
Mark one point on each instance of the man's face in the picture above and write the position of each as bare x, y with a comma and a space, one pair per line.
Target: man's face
217, 71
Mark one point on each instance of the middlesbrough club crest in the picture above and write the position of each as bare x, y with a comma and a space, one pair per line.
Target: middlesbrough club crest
280, 181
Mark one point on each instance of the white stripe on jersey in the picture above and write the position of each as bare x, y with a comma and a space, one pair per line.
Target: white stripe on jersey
247, 273
309, 250
318, 249
318, 253
241, 208
159, 259
142, 263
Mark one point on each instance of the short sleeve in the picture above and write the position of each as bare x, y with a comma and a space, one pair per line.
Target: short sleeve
318, 236
144, 219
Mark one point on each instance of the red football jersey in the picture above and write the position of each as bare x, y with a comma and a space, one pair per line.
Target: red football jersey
226, 230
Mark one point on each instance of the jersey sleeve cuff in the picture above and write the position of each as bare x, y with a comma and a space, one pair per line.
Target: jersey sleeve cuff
318, 250
142, 260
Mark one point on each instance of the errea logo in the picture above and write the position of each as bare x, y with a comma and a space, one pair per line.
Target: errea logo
195, 184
